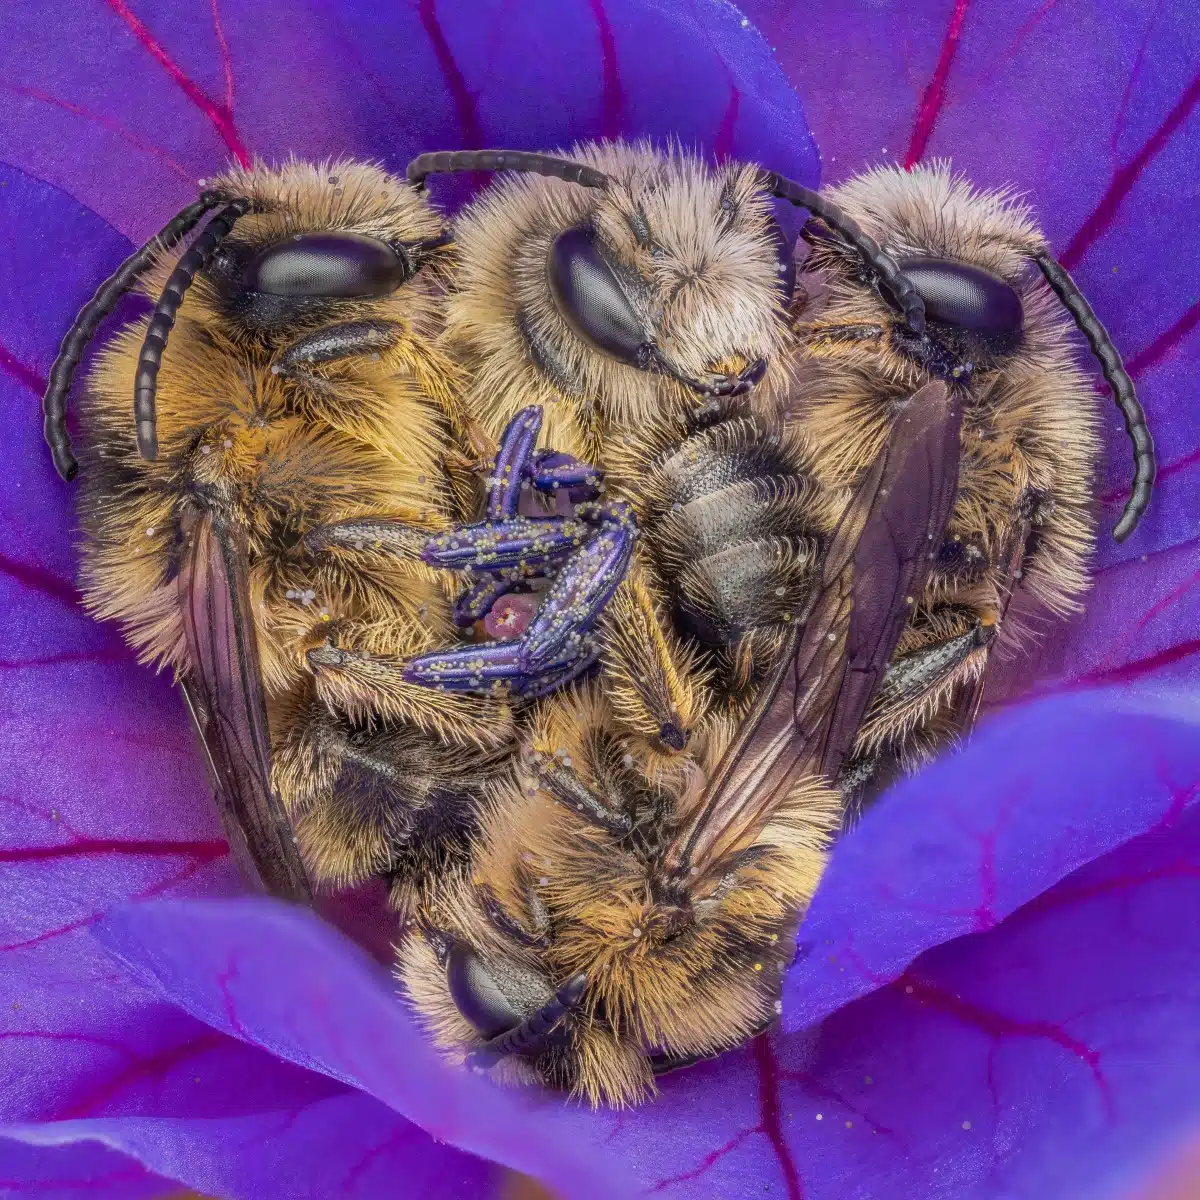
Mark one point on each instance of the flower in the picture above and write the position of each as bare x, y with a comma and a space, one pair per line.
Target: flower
995, 992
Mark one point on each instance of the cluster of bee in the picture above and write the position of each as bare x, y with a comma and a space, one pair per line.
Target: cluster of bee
579, 566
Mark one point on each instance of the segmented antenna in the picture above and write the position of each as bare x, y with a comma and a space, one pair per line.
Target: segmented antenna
531, 1034
893, 281
444, 162
83, 328
162, 321
1074, 301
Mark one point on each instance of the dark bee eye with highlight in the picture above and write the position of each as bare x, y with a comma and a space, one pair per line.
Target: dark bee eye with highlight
964, 296
477, 995
590, 297
327, 264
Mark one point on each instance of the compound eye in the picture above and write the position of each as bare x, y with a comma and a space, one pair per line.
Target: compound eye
590, 297
477, 994
327, 264
957, 294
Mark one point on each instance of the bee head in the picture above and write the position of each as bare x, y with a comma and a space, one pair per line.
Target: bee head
318, 244
627, 267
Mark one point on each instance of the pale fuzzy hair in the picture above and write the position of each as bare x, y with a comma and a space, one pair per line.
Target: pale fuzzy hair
1033, 422
699, 993
710, 289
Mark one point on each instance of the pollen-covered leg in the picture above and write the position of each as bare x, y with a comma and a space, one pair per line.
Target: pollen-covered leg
657, 689
555, 648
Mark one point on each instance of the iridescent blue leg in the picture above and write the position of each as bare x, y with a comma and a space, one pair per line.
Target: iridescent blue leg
584, 585
513, 462
500, 546
555, 472
556, 644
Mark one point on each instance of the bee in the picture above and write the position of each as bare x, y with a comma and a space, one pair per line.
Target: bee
629, 911
296, 448
999, 317
635, 890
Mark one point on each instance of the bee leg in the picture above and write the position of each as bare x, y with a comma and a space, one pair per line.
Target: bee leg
553, 473
345, 340
555, 648
656, 691
919, 682
512, 463
565, 786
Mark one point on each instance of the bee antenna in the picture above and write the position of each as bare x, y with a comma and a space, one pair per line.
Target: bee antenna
83, 328
1074, 301
451, 161
530, 1035
162, 321
904, 295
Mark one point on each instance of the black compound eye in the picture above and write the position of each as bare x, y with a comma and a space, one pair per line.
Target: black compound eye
964, 296
589, 295
327, 264
477, 994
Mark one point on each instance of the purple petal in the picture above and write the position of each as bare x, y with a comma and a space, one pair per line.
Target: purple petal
129, 103
1039, 792
1090, 109
303, 1144
52, 1171
105, 801
277, 977
1055, 1055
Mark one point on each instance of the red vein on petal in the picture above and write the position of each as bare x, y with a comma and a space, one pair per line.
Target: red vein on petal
1029, 26
997, 1025
226, 60
104, 122
934, 96
1164, 472
1123, 106
154, 889
107, 123
1066, 895
223, 981
1125, 177
708, 1161
466, 106
155, 1066
38, 579
1131, 671
24, 375
723, 143
219, 115
405, 1133
55, 1035
612, 97
84, 847
822, 1089
1150, 355
768, 1107
104, 654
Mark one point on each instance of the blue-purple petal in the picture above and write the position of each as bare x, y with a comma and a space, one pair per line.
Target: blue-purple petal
1054, 1055
1041, 791
128, 104
276, 976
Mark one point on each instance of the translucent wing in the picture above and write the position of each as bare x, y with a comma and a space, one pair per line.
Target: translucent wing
809, 713
225, 697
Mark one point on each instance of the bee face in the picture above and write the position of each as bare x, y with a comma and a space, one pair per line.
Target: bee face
318, 245
664, 283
